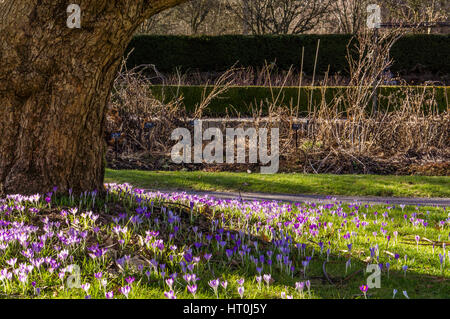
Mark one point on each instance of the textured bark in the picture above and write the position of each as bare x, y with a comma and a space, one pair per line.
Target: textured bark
54, 86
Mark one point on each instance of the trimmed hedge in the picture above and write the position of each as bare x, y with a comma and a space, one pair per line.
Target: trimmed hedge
218, 53
241, 99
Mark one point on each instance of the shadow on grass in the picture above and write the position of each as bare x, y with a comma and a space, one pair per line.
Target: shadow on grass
335, 282
351, 185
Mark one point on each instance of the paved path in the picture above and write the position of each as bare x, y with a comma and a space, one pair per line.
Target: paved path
321, 198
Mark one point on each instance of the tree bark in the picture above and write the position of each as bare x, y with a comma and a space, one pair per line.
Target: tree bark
54, 86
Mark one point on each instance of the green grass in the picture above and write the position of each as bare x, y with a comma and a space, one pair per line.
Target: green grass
324, 184
424, 277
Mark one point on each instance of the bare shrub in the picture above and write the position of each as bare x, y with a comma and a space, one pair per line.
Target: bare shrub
345, 135
349, 130
138, 120
139, 125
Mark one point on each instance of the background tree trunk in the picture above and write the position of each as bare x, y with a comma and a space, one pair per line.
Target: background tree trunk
54, 86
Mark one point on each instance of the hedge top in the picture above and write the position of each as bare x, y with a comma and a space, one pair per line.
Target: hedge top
218, 53
242, 98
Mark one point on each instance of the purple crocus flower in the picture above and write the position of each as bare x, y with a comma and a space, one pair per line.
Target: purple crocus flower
299, 286
98, 275
187, 278
321, 247
241, 291
194, 278
258, 280
11, 262
207, 256
267, 278
441, 260
109, 295
170, 295
394, 292
188, 257
214, 284
348, 264
86, 287
417, 241
192, 289
284, 295
125, 290
224, 284
308, 285
169, 282
364, 290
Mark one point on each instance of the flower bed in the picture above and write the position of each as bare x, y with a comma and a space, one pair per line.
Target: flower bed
136, 244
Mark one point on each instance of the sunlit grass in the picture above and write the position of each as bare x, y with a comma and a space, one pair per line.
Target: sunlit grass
325, 184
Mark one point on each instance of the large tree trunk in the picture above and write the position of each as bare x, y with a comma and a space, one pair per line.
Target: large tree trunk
54, 86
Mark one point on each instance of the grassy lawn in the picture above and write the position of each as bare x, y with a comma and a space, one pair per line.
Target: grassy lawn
324, 184
129, 243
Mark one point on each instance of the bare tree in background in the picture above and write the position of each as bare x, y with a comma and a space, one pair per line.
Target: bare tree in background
221, 20
279, 16
245, 14
195, 12
211, 17
215, 17
348, 16
159, 23
416, 11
